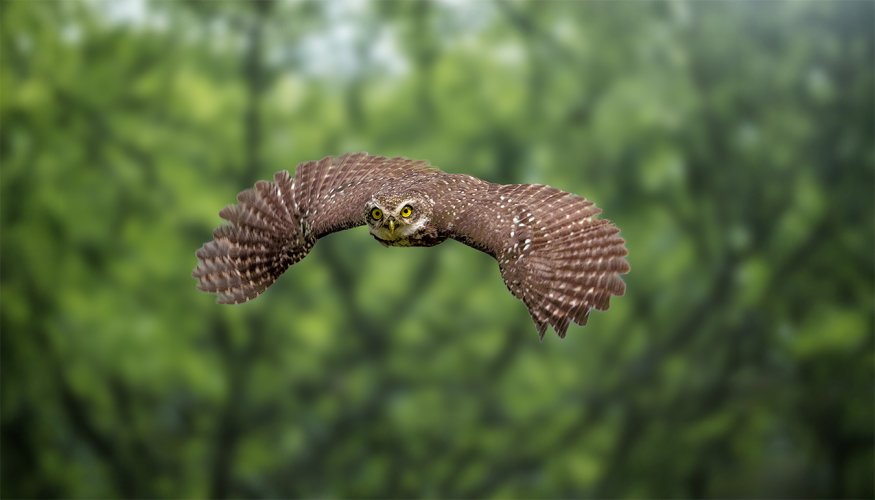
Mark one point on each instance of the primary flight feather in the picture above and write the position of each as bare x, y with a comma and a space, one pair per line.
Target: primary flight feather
553, 252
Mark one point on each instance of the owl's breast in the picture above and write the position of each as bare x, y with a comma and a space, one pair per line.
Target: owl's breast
425, 237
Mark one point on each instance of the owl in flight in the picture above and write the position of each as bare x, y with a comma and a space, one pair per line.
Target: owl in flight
554, 254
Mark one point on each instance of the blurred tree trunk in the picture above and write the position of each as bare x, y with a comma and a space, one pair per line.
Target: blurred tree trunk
238, 359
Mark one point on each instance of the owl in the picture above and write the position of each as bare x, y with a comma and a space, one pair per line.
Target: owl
553, 252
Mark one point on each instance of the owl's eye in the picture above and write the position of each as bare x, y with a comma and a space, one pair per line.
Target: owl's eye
406, 211
376, 214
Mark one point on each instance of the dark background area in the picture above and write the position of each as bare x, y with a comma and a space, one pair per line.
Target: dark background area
731, 141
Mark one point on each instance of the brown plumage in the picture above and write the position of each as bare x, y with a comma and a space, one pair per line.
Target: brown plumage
553, 252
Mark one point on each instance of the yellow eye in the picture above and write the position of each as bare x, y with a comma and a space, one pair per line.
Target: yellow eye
406, 211
376, 214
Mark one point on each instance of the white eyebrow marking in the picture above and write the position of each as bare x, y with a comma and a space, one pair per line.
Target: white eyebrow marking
409, 201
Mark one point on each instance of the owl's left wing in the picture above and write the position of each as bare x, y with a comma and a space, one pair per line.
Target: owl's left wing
553, 252
275, 224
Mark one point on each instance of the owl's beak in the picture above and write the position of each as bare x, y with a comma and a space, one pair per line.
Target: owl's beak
391, 226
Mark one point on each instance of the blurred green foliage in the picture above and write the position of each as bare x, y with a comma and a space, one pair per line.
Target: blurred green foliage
731, 141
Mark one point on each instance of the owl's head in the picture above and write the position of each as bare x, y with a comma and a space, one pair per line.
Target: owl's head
395, 219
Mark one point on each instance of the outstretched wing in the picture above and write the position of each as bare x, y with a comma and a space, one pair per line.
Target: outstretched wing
275, 224
553, 252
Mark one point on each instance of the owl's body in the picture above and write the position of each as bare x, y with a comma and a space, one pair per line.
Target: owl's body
553, 253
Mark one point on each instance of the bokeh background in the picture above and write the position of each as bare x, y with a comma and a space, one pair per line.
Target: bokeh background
731, 141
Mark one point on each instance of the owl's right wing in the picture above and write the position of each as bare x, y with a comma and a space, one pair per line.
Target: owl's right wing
553, 252
275, 224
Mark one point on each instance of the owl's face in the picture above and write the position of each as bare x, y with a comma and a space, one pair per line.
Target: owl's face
395, 220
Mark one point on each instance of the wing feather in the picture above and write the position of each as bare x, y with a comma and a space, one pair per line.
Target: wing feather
553, 252
275, 224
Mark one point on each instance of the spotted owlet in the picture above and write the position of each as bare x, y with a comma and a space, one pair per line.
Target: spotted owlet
554, 254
